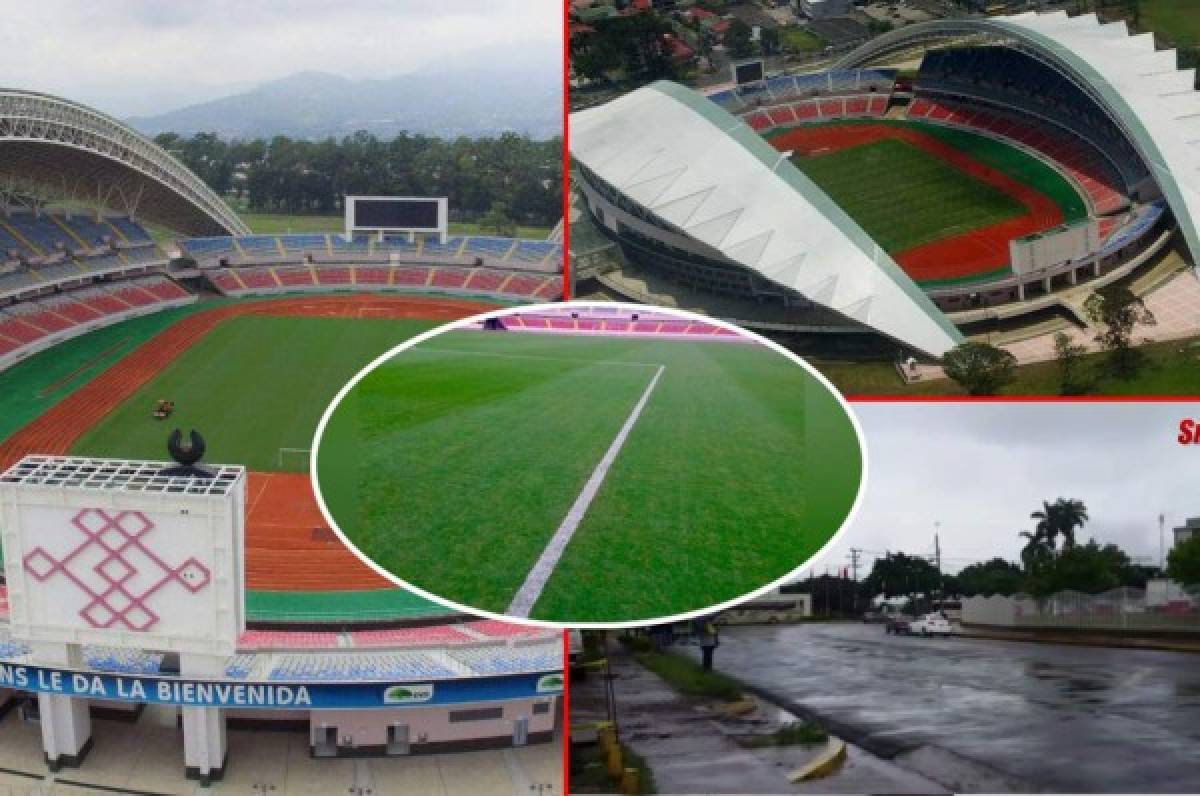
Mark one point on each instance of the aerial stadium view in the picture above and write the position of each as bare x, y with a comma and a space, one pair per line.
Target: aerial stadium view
144, 649
956, 190
662, 464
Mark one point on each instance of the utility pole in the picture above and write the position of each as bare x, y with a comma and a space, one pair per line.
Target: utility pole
937, 546
855, 552
1162, 555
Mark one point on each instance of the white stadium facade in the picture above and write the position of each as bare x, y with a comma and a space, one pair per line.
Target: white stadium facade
697, 200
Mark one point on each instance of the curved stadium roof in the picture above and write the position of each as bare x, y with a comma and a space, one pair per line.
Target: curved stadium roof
77, 151
1141, 89
708, 174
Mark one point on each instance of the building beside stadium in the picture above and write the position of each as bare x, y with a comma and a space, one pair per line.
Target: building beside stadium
711, 204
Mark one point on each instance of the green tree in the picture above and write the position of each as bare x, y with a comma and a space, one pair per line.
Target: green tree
1060, 518
1118, 310
996, 576
1088, 568
770, 41
497, 221
738, 39
1183, 562
897, 574
1069, 356
979, 368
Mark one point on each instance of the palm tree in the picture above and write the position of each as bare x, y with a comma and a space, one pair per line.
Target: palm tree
1036, 548
1060, 518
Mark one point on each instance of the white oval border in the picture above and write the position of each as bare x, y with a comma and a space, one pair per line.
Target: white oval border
559, 307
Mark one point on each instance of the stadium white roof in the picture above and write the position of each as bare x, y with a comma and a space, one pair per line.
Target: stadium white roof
708, 174
1142, 89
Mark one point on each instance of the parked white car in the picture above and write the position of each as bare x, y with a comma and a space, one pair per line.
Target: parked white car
931, 625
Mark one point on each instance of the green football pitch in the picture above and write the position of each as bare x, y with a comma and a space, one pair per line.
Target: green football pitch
251, 386
454, 464
904, 197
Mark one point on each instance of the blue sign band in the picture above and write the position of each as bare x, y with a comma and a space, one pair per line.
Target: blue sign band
276, 695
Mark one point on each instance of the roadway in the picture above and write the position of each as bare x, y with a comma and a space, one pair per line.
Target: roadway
1053, 717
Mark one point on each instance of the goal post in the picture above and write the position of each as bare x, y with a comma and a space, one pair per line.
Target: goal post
294, 459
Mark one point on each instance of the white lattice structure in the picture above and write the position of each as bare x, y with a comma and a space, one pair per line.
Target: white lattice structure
117, 553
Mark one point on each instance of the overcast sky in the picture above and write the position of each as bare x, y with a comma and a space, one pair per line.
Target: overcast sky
140, 57
980, 469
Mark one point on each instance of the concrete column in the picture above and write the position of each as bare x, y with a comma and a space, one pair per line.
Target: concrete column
66, 724
204, 743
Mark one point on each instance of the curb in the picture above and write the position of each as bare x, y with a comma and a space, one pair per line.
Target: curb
828, 761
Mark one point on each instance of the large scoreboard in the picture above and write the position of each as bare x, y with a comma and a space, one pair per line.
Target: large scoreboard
397, 214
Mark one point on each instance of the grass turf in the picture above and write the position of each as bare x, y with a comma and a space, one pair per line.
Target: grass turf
279, 224
251, 386
34, 385
331, 606
453, 470
904, 197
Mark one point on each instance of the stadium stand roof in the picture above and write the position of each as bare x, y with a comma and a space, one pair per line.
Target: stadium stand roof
1142, 90
707, 173
65, 146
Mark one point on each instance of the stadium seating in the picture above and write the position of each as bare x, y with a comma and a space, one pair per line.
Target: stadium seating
1085, 164
122, 660
11, 648
1011, 79
783, 89
409, 636
359, 666
25, 324
270, 639
491, 628
257, 279
259, 245
508, 660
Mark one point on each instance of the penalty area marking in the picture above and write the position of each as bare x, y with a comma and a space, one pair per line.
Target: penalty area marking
522, 604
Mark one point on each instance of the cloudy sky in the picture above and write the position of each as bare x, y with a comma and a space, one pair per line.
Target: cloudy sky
980, 469
135, 57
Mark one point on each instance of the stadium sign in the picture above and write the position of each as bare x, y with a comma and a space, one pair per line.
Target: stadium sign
276, 696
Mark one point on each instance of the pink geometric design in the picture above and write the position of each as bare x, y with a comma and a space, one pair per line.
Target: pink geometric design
118, 539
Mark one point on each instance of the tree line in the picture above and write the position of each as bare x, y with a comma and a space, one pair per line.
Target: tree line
509, 177
1052, 560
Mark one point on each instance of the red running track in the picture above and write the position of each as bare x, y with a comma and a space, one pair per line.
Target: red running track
288, 545
962, 256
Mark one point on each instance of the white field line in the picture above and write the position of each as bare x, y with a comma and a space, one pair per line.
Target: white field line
464, 352
535, 581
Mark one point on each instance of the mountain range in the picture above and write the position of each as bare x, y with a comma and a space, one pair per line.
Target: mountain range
516, 93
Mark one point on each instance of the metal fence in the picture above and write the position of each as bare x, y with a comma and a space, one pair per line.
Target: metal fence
1119, 609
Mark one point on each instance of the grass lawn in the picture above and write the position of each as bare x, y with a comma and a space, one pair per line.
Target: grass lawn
1172, 368
904, 197
688, 677
1175, 20
276, 223
251, 386
453, 465
800, 40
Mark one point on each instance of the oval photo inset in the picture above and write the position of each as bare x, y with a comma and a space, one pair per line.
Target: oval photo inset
588, 463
